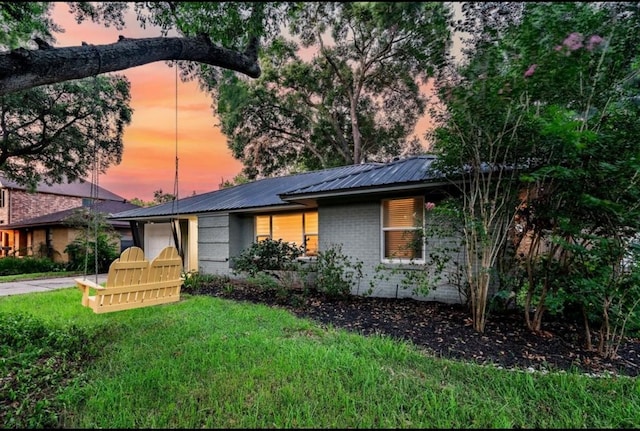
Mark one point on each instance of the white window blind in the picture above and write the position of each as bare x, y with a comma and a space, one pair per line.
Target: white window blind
401, 229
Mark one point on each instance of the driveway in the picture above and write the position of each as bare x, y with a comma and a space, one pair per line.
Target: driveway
44, 284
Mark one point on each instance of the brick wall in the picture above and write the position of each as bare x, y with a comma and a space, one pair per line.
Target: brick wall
357, 228
354, 226
25, 205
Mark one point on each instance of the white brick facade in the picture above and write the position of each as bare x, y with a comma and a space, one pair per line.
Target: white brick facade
356, 227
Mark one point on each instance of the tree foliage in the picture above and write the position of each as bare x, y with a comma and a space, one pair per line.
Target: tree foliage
548, 101
96, 245
346, 90
46, 132
56, 133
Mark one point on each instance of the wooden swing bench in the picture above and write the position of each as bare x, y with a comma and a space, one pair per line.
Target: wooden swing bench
133, 282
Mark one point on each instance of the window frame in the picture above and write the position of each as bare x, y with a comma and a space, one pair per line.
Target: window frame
383, 229
304, 233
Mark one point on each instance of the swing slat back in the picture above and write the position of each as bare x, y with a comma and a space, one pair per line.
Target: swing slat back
133, 282
128, 269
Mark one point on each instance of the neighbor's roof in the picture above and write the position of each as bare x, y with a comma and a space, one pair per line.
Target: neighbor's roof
271, 192
107, 207
78, 188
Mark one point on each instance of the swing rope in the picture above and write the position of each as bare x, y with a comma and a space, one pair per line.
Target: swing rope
93, 219
174, 207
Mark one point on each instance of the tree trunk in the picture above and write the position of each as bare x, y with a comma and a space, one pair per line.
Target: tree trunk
587, 329
22, 69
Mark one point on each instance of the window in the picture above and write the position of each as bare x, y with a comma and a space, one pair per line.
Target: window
402, 229
298, 228
3, 198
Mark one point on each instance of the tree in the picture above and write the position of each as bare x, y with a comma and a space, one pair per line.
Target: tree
550, 96
96, 245
484, 133
357, 98
159, 197
22, 69
222, 34
57, 132
584, 206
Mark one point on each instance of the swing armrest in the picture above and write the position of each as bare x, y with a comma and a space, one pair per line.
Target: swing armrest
84, 286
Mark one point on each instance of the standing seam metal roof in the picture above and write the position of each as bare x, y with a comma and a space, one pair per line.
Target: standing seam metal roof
411, 170
268, 191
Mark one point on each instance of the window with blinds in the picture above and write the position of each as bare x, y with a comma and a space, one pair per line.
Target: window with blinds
299, 228
402, 229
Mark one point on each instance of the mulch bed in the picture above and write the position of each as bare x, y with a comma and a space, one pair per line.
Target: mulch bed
446, 330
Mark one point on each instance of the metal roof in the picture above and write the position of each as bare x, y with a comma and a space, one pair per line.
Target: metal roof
270, 192
411, 170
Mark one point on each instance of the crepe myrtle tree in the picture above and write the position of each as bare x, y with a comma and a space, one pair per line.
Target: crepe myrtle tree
543, 118
579, 206
484, 132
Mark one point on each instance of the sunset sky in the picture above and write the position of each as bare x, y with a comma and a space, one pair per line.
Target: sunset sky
148, 160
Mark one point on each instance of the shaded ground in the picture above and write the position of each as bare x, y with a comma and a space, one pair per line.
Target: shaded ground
446, 330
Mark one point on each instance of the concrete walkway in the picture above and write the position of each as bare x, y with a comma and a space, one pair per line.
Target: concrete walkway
44, 284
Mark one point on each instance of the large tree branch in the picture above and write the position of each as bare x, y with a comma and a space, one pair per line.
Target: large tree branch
22, 69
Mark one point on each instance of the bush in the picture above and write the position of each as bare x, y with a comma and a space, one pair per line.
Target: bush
39, 361
267, 255
336, 274
82, 252
196, 282
11, 265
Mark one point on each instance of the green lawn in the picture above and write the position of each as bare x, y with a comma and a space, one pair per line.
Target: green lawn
206, 362
38, 275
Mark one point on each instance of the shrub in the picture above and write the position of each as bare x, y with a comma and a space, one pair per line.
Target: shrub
11, 265
336, 273
267, 255
196, 282
39, 361
82, 253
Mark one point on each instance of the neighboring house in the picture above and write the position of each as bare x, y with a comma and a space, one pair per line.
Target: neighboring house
367, 209
34, 222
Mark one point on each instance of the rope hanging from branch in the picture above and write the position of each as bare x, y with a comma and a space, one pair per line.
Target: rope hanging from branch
92, 222
175, 206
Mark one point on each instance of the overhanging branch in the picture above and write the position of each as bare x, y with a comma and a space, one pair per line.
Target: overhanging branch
22, 69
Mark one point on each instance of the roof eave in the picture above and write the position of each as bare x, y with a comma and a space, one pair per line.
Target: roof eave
301, 197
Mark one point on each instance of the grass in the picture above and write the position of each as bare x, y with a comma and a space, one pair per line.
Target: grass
207, 362
38, 275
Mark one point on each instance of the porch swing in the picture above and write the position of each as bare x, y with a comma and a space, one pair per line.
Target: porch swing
133, 281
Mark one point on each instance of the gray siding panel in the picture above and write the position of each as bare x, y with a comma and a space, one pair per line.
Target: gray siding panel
220, 238
213, 244
241, 233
